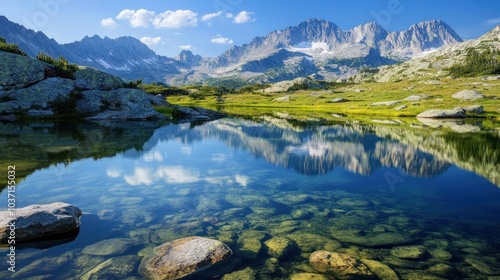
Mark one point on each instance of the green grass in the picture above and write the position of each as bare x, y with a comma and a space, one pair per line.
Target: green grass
316, 102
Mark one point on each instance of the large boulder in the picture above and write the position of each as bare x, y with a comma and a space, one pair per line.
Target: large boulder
39, 221
439, 114
119, 104
89, 78
183, 257
341, 266
20, 71
41, 95
468, 95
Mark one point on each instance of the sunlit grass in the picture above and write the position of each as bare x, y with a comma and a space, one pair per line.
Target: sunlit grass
360, 97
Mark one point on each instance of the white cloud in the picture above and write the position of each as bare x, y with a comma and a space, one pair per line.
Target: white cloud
229, 15
243, 17
211, 16
168, 19
177, 174
152, 156
175, 19
222, 40
242, 180
113, 172
142, 176
186, 47
109, 23
493, 21
139, 18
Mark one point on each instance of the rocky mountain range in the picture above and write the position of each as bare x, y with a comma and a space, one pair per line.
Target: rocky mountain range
315, 48
433, 64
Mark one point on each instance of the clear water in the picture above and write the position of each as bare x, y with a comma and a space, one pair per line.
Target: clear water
346, 188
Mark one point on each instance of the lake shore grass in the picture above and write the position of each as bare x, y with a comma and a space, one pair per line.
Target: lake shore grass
359, 98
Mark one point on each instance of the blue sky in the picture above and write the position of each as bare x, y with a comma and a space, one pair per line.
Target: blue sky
211, 27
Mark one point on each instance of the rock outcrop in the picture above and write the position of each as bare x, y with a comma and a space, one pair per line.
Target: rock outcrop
183, 257
39, 221
455, 113
28, 89
468, 95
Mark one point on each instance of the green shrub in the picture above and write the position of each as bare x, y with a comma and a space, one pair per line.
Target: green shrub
62, 67
133, 84
477, 64
11, 48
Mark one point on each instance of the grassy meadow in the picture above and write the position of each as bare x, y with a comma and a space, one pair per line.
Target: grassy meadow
359, 99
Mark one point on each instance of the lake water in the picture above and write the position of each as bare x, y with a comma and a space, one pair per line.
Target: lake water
362, 190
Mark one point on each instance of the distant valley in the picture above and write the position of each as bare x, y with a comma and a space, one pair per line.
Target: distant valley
315, 48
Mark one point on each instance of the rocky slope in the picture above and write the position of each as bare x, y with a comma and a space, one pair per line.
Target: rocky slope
435, 63
321, 49
315, 48
125, 57
29, 88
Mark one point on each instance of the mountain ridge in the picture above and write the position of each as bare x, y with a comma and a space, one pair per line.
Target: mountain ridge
315, 47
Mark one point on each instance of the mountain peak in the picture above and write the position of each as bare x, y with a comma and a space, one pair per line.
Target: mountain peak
188, 58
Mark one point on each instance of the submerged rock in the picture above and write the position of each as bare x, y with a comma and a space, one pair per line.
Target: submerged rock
308, 276
40, 221
372, 239
340, 266
245, 274
183, 257
381, 270
109, 247
280, 247
409, 252
115, 268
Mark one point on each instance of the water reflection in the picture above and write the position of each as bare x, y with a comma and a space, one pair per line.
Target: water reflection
350, 188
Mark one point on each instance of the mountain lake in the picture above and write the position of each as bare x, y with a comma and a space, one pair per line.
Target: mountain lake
412, 202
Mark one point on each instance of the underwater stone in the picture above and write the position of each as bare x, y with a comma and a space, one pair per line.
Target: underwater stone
183, 257
353, 202
369, 239
443, 270
248, 200
409, 252
381, 270
245, 274
114, 268
248, 248
340, 266
480, 265
109, 247
280, 247
441, 254
308, 276
309, 242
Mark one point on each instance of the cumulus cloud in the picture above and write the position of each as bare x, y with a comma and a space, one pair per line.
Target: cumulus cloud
221, 40
493, 21
109, 23
168, 19
186, 47
175, 19
243, 17
139, 18
142, 176
211, 16
229, 15
177, 174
